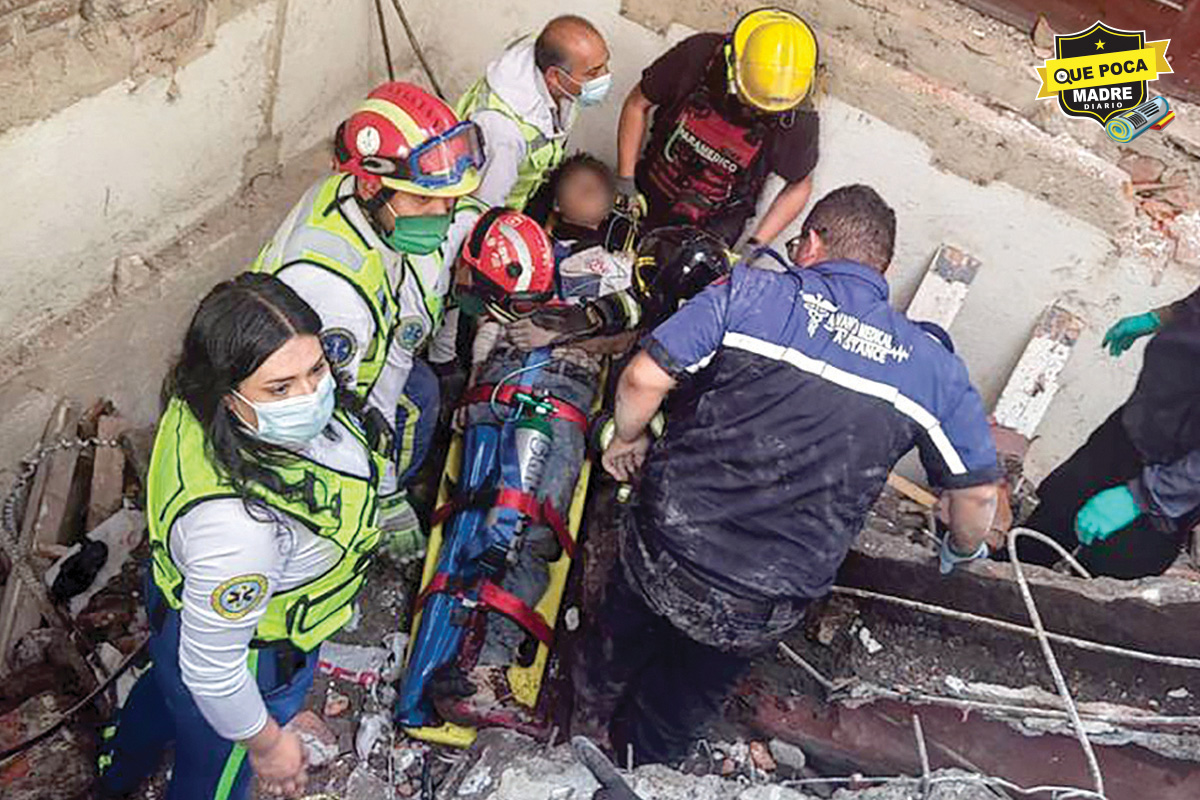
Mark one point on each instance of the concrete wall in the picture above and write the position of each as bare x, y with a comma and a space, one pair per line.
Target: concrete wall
125, 170
1049, 217
190, 102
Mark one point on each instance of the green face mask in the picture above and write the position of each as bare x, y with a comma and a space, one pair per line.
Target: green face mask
419, 236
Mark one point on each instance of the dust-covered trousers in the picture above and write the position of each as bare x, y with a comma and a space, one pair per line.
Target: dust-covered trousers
664, 650
572, 381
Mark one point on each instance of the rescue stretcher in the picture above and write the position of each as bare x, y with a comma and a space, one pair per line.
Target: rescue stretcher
525, 682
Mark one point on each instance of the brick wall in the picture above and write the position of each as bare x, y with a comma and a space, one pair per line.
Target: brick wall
55, 52
21, 18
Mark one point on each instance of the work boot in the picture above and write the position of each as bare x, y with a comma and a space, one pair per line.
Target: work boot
401, 537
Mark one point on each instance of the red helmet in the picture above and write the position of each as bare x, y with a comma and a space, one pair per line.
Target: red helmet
511, 261
404, 138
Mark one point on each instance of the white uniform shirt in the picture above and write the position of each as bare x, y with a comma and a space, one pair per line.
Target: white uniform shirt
514, 76
346, 318
217, 545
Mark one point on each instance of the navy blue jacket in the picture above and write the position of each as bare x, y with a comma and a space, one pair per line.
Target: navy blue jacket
798, 392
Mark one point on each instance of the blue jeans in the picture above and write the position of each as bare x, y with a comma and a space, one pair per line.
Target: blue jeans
530, 575
160, 709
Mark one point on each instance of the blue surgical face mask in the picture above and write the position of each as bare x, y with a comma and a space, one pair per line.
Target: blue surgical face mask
294, 421
593, 92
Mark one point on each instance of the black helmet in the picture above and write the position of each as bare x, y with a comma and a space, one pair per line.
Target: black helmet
674, 264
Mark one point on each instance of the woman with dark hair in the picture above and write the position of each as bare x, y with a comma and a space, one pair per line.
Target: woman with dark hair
261, 505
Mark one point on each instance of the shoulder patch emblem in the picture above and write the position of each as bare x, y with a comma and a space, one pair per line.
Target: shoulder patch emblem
340, 346
410, 332
237, 597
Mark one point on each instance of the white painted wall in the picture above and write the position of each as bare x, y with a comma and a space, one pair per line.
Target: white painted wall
1032, 253
124, 171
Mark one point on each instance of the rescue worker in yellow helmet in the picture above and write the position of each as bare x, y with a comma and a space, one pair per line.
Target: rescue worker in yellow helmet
729, 111
261, 501
366, 248
526, 104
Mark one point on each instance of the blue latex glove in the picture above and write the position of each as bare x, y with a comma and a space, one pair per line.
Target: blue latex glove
948, 557
1105, 513
1121, 336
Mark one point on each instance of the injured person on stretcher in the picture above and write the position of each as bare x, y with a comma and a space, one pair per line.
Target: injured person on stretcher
547, 313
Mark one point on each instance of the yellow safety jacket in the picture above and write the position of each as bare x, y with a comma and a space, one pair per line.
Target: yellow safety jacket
543, 154
318, 232
182, 474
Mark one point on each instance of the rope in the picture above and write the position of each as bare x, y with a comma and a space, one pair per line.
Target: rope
387, 47
865, 691
1061, 792
1051, 661
923, 754
1012, 627
412, 40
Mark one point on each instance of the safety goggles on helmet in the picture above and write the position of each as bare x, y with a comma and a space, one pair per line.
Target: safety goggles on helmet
436, 163
511, 263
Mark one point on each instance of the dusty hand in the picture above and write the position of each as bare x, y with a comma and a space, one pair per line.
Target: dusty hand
527, 336
623, 459
280, 765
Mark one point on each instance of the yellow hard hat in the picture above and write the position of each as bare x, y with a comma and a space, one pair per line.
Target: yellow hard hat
773, 59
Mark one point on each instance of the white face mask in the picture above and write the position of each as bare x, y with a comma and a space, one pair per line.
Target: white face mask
593, 92
294, 421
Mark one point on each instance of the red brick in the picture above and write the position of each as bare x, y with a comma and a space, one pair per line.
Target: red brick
9, 6
49, 12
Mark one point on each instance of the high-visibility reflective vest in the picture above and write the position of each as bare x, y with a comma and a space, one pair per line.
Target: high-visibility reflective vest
318, 232
344, 508
543, 153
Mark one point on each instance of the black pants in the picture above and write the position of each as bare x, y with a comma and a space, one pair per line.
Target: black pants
1108, 458
658, 687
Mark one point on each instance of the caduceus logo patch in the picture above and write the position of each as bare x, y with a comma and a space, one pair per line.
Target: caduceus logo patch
237, 597
1103, 72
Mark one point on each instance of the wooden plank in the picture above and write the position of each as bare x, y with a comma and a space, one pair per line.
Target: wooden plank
912, 491
108, 472
1034, 381
944, 288
44, 515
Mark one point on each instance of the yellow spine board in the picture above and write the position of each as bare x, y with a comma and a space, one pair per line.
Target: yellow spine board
526, 682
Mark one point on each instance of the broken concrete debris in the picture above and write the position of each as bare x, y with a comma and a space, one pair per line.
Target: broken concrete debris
787, 756
504, 765
94, 593
320, 744
372, 730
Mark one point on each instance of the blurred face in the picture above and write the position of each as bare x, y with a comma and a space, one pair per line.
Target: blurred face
293, 370
584, 198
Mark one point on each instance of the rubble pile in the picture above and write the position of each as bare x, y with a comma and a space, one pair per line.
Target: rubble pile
71, 523
504, 765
